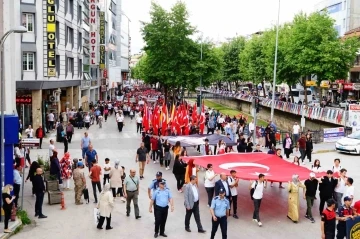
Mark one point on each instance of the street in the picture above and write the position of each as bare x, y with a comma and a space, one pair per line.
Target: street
77, 221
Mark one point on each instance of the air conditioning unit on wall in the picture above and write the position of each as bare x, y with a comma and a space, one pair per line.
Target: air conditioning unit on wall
52, 98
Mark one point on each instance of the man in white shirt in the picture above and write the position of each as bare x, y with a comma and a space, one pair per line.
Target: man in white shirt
139, 120
350, 190
107, 169
233, 183
296, 131
51, 148
251, 128
29, 132
120, 121
191, 202
257, 189
51, 119
340, 187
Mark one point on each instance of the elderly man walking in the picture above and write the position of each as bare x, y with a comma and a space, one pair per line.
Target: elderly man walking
79, 181
131, 192
191, 202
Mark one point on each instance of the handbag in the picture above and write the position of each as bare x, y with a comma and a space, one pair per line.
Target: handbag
96, 216
86, 195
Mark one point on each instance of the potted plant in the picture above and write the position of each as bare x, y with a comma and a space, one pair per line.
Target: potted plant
41, 162
52, 184
47, 170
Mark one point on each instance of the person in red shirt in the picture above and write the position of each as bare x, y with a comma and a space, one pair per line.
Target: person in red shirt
301, 146
95, 173
40, 135
154, 148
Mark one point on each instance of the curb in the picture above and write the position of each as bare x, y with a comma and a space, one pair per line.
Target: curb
321, 151
13, 228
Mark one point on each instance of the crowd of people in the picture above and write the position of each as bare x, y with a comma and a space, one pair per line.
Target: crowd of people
336, 190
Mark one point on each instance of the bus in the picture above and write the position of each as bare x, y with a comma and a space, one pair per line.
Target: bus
300, 95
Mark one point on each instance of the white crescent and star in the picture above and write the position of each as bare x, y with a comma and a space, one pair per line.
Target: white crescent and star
239, 164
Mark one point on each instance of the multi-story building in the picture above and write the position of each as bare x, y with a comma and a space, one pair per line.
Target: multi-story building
125, 47
346, 13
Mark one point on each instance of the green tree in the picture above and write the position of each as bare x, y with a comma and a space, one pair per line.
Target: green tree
231, 60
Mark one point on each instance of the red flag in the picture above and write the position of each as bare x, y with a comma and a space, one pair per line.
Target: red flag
164, 119
194, 114
146, 118
202, 119
155, 120
186, 122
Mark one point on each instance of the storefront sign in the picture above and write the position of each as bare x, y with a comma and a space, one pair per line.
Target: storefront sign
340, 81
325, 84
93, 33
105, 73
30, 142
348, 86
310, 83
23, 100
356, 86
103, 88
333, 134
51, 37
102, 40
354, 117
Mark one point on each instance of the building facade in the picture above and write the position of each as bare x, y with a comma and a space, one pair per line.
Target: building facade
346, 13
125, 47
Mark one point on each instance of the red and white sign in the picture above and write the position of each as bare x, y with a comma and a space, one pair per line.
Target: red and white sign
93, 21
249, 165
348, 86
354, 117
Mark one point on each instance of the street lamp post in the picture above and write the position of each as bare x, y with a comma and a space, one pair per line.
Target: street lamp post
19, 29
275, 65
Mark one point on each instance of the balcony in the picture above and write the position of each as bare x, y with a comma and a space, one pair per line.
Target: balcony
85, 84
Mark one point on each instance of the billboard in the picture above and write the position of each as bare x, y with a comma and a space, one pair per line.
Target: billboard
93, 33
51, 37
102, 40
333, 134
354, 117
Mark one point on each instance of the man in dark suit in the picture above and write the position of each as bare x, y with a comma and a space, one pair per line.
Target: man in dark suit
39, 190
326, 188
191, 202
223, 183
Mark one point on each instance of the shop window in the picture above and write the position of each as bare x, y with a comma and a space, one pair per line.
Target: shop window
28, 21
28, 61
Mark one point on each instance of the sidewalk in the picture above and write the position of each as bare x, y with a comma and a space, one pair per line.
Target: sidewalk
12, 226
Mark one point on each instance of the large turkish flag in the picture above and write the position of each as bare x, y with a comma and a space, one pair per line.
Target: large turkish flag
249, 165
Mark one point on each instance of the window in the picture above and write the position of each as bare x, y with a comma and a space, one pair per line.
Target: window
79, 40
344, 23
71, 7
112, 7
79, 67
86, 14
70, 65
79, 14
58, 65
28, 61
69, 35
28, 21
57, 5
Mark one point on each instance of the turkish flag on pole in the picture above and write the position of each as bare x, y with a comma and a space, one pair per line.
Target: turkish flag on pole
186, 122
155, 120
146, 118
202, 119
194, 114
164, 119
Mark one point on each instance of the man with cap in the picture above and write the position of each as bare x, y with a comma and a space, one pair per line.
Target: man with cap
191, 202
220, 208
79, 181
311, 185
160, 200
155, 184
345, 212
328, 220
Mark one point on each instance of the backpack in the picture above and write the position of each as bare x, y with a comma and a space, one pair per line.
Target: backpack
253, 190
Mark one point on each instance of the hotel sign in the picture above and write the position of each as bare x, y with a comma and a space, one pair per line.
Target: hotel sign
102, 40
51, 38
93, 33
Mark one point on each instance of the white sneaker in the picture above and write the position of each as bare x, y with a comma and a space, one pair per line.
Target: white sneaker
255, 220
154, 162
260, 224
168, 168
122, 199
303, 163
157, 161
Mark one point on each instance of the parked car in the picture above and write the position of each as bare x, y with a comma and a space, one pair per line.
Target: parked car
314, 103
349, 144
346, 103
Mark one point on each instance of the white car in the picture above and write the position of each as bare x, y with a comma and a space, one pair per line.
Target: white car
314, 103
349, 144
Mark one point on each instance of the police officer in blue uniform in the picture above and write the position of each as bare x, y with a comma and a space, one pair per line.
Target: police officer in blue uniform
155, 185
160, 200
220, 209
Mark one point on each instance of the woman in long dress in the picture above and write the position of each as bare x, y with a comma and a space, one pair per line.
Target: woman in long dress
66, 170
115, 180
293, 200
105, 206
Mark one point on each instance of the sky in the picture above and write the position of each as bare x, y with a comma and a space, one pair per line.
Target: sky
219, 20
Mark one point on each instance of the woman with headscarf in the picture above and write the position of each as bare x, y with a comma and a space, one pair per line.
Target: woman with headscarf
66, 170
105, 206
116, 174
55, 168
191, 169
293, 200
32, 171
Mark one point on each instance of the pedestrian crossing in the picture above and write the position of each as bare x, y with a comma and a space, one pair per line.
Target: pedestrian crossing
106, 135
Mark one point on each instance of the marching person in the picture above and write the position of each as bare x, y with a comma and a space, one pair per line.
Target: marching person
94, 175
142, 156
160, 199
257, 191
79, 181
233, 182
191, 197
106, 205
326, 188
293, 199
116, 175
328, 220
311, 185
223, 183
131, 192
220, 208
345, 212
85, 142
